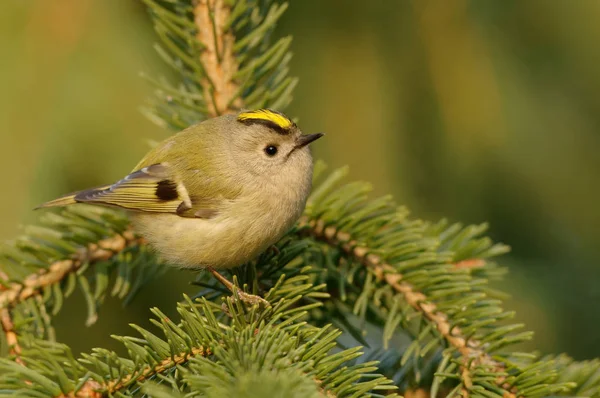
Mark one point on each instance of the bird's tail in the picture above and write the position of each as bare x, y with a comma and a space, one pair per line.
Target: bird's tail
74, 197
62, 201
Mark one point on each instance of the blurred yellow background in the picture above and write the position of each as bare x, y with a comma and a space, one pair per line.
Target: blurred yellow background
472, 110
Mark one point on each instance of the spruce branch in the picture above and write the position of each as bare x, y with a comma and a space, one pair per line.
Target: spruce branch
32, 286
189, 353
212, 18
116, 385
223, 54
471, 350
402, 273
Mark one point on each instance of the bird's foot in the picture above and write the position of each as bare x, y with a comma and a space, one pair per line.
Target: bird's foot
250, 299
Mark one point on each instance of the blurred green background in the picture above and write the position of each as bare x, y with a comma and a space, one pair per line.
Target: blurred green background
472, 110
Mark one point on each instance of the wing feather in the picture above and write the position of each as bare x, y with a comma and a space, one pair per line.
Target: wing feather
153, 189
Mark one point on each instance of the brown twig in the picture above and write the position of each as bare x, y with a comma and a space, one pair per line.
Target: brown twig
90, 389
114, 386
56, 272
8, 327
217, 58
470, 350
10, 334
470, 263
94, 389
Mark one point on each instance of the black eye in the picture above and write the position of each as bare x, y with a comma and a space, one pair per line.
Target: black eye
271, 150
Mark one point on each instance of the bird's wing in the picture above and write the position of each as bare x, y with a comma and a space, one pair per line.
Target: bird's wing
154, 188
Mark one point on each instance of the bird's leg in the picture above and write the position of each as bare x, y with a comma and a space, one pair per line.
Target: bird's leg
245, 297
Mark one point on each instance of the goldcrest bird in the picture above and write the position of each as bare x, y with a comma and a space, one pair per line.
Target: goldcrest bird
218, 193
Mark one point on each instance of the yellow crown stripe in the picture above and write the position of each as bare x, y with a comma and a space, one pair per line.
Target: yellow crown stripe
266, 114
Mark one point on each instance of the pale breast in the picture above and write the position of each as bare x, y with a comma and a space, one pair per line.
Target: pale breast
239, 233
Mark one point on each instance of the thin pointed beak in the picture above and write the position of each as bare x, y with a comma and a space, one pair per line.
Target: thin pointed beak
306, 139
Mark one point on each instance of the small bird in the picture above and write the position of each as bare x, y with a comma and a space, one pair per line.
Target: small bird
218, 193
